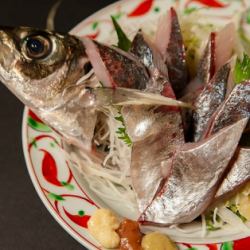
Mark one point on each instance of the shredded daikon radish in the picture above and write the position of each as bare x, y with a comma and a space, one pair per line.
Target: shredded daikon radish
188, 229
112, 176
203, 226
232, 219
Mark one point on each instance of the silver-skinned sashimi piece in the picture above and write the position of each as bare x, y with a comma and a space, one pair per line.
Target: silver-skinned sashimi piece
206, 68
157, 128
218, 52
147, 53
238, 175
114, 67
193, 92
142, 121
151, 156
169, 42
234, 108
196, 172
209, 100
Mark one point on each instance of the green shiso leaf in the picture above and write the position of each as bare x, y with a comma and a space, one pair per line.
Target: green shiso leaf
235, 210
242, 69
123, 41
121, 131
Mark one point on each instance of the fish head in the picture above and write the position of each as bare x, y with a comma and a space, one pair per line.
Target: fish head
38, 65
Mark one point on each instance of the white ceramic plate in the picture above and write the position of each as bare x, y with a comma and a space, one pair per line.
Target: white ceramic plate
62, 191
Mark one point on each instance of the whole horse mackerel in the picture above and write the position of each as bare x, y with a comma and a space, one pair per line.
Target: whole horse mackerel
46, 71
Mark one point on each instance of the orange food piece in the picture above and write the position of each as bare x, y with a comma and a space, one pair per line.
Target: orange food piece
130, 235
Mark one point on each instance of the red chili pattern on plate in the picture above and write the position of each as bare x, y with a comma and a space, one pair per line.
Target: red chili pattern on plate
243, 244
78, 219
49, 169
212, 246
209, 3
142, 8
94, 35
34, 117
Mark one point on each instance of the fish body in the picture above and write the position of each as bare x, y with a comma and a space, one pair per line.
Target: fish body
47, 72
209, 100
194, 178
40, 67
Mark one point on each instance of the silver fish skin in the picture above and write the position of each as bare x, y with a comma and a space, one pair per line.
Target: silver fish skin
195, 90
238, 175
195, 175
144, 121
234, 108
218, 52
147, 53
205, 71
206, 68
151, 159
209, 100
39, 67
116, 68
169, 41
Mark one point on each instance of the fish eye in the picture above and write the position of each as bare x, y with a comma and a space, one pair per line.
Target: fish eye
37, 47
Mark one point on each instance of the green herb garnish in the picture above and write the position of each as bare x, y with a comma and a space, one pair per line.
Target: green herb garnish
242, 69
189, 10
123, 41
122, 131
235, 210
209, 222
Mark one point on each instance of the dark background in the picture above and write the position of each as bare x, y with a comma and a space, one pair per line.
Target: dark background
25, 223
